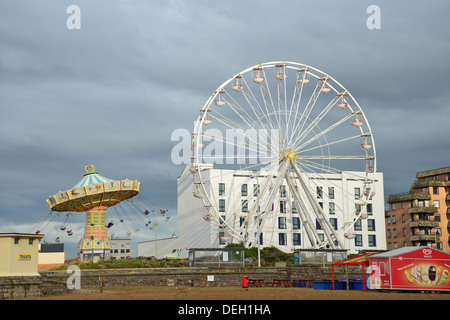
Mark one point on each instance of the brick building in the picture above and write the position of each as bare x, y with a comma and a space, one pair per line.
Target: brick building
421, 216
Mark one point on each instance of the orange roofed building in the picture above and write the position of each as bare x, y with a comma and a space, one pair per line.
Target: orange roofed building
421, 216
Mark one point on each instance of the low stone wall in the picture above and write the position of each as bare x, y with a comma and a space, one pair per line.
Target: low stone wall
20, 287
51, 282
56, 281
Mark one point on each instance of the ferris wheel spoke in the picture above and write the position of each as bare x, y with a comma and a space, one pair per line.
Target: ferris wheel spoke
335, 157
314, 123
241, 112
269, 103
307, 110
235, 126
328, 144
296, 100
251, 100
251, 134
318, 166
320, 134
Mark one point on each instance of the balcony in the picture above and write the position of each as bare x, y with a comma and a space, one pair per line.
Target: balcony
424, 224
407, 197
413, 210
424, 237
430, 183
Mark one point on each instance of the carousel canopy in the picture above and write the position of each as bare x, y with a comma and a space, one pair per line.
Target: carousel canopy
93, 190
90, 178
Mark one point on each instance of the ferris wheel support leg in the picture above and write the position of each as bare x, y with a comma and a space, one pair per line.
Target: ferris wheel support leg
308, 224
333, 240
267, 202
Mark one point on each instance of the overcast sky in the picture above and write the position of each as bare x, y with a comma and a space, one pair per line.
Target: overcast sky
112, 92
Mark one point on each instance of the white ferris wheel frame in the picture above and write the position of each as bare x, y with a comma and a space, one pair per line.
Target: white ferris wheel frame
286, 168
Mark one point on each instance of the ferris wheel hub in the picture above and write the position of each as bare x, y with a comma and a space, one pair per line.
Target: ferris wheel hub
289, 155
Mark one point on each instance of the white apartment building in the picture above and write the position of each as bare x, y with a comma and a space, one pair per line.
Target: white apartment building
233, 193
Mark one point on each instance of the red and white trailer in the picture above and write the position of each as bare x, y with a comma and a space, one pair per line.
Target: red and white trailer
410, 268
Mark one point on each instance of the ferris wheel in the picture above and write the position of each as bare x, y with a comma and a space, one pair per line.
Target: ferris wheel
290, 132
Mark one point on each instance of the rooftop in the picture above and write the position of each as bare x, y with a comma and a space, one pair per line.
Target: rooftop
433, 172
15, 234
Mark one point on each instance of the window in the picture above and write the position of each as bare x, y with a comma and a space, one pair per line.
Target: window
221, 205
256, 190
436, 204
244, 190
221, 189
283, 206
357, 193
283, 191
282, 239
221, 235
295, 223
244, 206
357, 226
389, 233
281, 222
369, 209
30, 241
16, 240
331, 192
393, 219
372, 240
392, 206
334, 223
296, 239
435, 190
331, 208
319, 192
318, 226
358, 240
294, 207
371, 225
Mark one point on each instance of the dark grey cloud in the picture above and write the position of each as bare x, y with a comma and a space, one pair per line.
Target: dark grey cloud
111, 93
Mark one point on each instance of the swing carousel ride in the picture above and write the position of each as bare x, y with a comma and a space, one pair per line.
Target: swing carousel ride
94, 195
